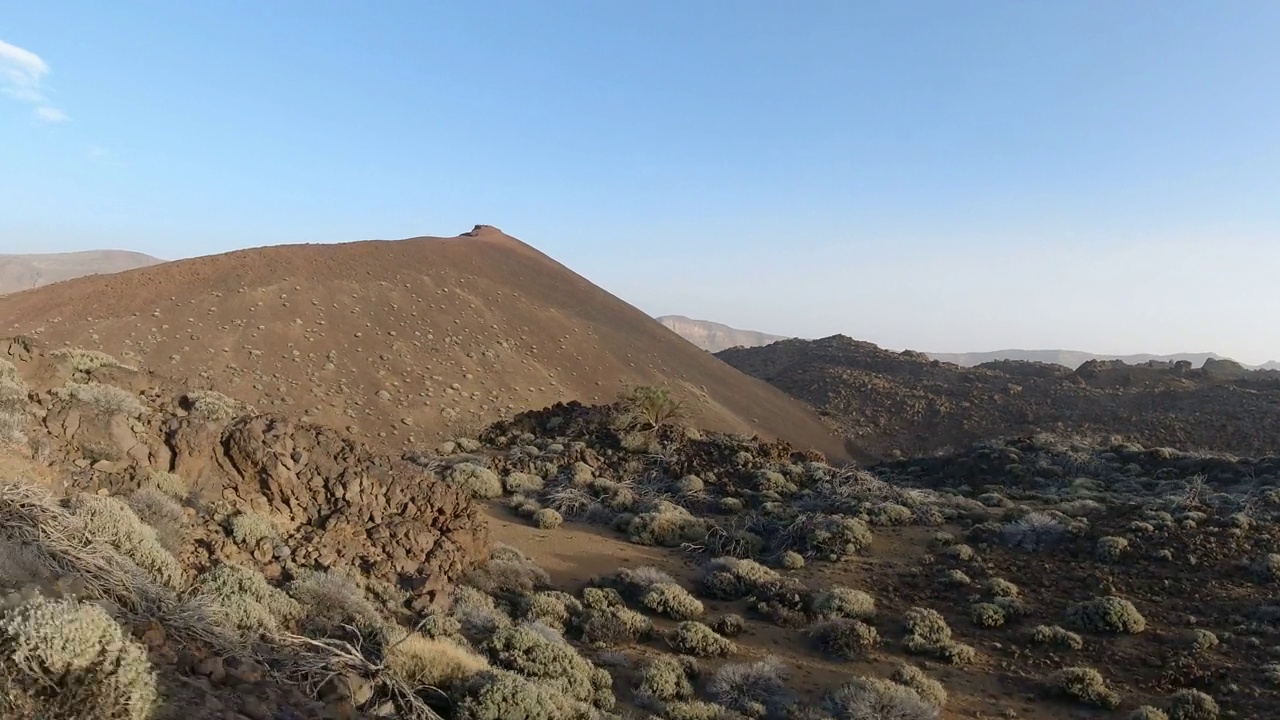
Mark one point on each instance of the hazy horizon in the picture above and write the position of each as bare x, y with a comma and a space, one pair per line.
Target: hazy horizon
922, 175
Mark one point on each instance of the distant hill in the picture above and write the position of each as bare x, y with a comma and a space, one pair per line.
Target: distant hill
1075, 358
906, 402
713, 336
424, 338
23, 272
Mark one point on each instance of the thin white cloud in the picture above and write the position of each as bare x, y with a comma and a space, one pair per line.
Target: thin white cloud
51, 114
21, 74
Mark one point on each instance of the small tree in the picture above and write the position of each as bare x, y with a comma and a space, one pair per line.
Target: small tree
648, 407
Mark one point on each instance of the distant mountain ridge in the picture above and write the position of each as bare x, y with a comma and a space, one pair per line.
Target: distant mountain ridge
1075, 358
713, 336
23, 272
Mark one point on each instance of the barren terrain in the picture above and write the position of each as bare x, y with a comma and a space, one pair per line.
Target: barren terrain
610, 561
448, 479
903, 402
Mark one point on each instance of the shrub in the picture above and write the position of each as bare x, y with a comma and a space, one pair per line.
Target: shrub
960, 552
792, 560
927, 626
613, 627
1147, 712
249, 529
214, 406
636, 581
1086, 685
844, 638
570, 501
769, 481
552, 608
1111, 548
170, 484
929, 634
833, 537
673, 601
689, 485
1033, 532
694, 710
479, 482
500, 695
330, 599
9, 372
750, 688
13, 401
887, 514
1198, 640
929, 689
420, 661
87, 360
524, 650
518, 482
105, 399
65, 659
13, 425
668, 526
876, 699
1054, 635
602, 598
843, 602
786, 601
248, 603
525, 506
162, 514
693, 638
23, 565
477, 614
729, 578
547, 519
664, 679
1192, 705
1001, 588
730, 625
956, 653
508, 574
112, 521
987, 615
1108, 614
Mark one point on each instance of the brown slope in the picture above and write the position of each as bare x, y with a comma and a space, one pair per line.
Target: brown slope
23, 272
888, 402
410, 340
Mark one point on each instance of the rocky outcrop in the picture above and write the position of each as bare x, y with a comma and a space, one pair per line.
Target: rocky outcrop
343, 505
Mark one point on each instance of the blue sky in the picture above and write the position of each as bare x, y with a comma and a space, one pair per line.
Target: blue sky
937, 175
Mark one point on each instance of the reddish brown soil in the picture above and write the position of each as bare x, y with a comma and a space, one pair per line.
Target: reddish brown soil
453, 331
